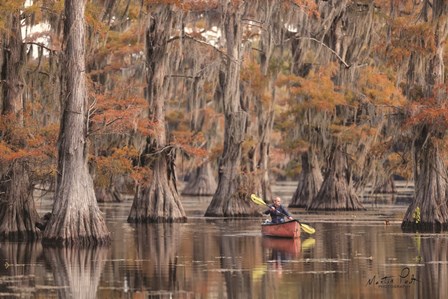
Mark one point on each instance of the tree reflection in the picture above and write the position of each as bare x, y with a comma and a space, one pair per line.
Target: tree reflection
19, 264
157, 247
76, 271
432, 278
235, 265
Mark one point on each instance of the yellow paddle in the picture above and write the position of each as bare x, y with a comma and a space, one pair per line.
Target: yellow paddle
306, 228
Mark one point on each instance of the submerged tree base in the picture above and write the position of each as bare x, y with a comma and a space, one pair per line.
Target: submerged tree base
430, 227
107, 195
158, 219
234, 215
201, 182
158, 202
19, 236
18, 215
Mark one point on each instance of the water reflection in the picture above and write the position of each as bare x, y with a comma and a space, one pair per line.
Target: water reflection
352, 255
18, 268
157, 253
281, 251
237, 257
76, 272
433, 250
290, 247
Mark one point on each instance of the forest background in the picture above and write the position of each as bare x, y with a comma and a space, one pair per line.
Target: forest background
105, 98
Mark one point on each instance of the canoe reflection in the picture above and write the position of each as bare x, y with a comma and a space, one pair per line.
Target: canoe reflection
281, 251
289, 246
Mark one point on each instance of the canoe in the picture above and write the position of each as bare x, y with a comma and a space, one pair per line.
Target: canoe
287, 229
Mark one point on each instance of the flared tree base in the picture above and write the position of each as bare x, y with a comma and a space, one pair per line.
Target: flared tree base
201, 182
157, 203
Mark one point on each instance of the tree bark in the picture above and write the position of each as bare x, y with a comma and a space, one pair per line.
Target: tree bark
310, 181
231, 199
76, 218
104, 194
158, 201
201, 182
18, 214
428, 210
337, 191
265, 111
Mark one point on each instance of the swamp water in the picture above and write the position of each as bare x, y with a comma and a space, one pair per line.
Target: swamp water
351, 255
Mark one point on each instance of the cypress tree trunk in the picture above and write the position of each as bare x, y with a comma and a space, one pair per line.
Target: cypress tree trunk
104, 194
310, 181
337, 191
18, 214
201, 182
158, 201
230, 199
264, 101
76, 218
428, 211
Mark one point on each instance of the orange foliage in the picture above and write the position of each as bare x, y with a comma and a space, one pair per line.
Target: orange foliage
142, 176
309, 6
251, 74
7, 7
5, 151
118, 163
428, 112
92, 16
353, 134
406, 37
124, 43
379, 89
28, 141
120, 115
317, 90
199, 5
190, 143
188, 4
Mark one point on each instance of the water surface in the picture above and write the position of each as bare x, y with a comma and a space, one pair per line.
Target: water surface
351, 255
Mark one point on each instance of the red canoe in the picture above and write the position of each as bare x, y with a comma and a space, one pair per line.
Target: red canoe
287, 229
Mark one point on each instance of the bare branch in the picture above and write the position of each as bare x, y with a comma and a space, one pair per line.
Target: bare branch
182, 76
104, 126
323, 44
42, 46
203, 43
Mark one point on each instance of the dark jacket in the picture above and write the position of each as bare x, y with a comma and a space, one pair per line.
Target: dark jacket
278, 215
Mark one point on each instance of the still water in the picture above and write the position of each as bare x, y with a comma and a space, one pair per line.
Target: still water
351, 255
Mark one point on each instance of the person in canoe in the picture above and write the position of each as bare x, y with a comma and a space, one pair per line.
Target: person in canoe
277, 211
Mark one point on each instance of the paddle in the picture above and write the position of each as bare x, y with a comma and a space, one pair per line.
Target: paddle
306, 228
